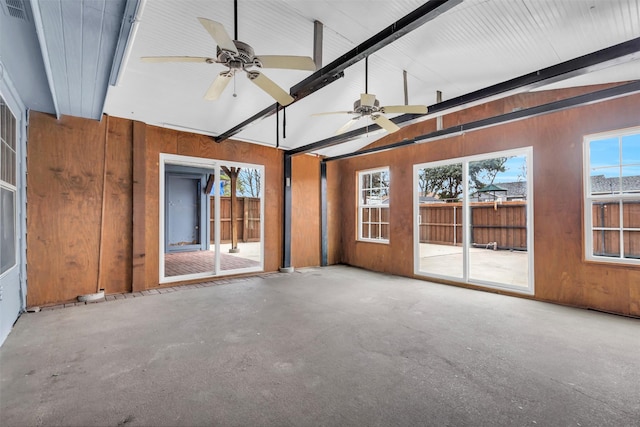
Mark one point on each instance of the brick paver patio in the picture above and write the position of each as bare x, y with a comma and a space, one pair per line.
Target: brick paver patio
181, 263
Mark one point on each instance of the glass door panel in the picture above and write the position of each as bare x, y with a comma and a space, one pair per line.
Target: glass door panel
440, 220
240, 218
498, 221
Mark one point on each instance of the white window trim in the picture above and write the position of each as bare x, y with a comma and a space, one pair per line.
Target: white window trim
361, 206
466, 207
214, 164
589, 199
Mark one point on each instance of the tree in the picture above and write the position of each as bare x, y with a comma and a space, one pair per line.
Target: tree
249, 182
483, 172
442, 181
446, 183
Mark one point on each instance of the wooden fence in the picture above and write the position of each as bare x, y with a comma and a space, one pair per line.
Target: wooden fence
504, 223
607, 215
247, 219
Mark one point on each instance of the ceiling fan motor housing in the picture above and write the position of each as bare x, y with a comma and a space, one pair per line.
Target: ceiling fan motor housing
366, 109
244, 58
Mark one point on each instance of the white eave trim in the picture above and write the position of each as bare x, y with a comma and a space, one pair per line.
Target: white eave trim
37, 20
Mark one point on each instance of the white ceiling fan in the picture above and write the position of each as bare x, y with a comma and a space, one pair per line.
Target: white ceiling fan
369, 106
239, 56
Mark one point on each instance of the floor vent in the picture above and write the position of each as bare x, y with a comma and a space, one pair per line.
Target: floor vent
16, 9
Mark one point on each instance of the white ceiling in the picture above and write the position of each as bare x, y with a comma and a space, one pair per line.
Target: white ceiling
474, 45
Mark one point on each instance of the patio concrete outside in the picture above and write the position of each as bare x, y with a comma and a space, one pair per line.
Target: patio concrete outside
248, 250
335, 346
500, 266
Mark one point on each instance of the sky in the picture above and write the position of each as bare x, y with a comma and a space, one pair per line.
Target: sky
514, 170
605, 156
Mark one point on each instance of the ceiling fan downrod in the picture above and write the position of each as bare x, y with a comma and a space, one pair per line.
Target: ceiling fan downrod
366, 74
235, 19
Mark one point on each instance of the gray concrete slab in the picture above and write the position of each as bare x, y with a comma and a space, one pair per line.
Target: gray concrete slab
333, 346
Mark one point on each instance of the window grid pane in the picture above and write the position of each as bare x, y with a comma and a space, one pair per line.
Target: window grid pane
7, 145
631, 244
631, 214
8, 230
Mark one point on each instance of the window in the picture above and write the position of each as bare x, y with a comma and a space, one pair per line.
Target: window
373, 205
612, 196
8, 175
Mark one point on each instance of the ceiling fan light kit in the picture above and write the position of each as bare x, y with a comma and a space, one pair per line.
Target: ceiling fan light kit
369, 106
239, 56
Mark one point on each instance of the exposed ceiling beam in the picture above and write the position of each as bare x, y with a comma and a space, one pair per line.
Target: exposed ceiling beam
614, 55
335, 69
526, 113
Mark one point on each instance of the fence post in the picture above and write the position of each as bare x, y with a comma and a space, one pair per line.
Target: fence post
245, 219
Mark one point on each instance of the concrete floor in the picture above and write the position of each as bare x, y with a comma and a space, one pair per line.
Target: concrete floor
334, 346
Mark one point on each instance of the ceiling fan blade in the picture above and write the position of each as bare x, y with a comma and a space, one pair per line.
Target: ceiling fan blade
217, 87
367, 99
332, 112
176, 59
287, 62
405, 109
267, 85
385, 123
219, 34
347, 125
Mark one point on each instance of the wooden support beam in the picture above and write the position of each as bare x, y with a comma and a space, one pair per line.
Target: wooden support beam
209, 186
232, 173
138, 274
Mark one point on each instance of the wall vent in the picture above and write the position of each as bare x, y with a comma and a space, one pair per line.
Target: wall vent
16, 9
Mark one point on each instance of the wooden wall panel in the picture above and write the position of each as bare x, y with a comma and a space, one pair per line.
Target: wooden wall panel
64, 191
139, 212
158, 140
561, 272
117, 224
305, 221
634, 298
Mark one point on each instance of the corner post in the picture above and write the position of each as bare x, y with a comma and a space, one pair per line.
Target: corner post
324, 241
286, 232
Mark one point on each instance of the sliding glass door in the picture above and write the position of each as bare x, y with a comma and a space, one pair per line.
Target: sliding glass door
473, 220
210, 218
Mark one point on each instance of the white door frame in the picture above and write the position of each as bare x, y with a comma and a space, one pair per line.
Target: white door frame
11, 98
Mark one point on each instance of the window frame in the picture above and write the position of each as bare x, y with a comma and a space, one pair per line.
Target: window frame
11, 187
361, 206
620, 198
